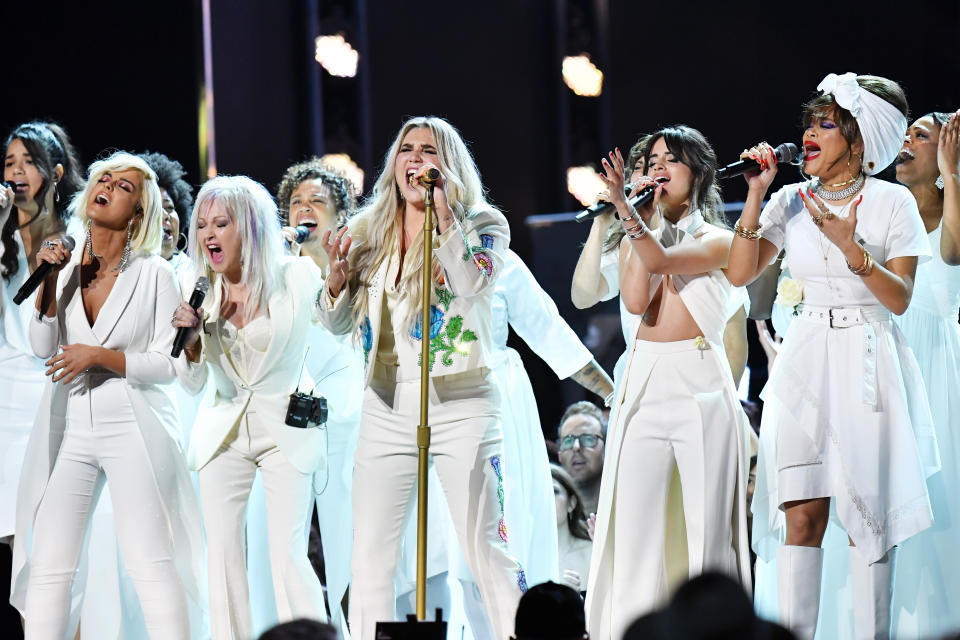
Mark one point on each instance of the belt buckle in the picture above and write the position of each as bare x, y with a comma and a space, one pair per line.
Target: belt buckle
830, 313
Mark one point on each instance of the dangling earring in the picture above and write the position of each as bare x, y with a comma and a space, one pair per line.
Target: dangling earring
939, 182
89, 243
56, 192
125, 258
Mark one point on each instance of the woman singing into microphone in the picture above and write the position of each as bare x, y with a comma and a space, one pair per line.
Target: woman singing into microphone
255, 322
677, 407
102, 320
846, 418
374, 290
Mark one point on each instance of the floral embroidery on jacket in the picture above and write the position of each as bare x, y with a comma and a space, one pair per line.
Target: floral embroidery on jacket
366, 336
436, 322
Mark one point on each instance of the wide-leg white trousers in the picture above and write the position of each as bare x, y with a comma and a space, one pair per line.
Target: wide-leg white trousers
224, 484
466, 448
675, 417
102, 443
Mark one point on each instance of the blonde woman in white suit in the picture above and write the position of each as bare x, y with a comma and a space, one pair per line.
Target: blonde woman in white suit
255, 322
106, 416
374, 290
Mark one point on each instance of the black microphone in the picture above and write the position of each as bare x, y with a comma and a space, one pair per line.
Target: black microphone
41, 273
303, 232
643, 197
786, 152
196, 299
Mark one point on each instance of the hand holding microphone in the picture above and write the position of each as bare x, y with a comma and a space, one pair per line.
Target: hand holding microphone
645, 194
51, 258
187, 319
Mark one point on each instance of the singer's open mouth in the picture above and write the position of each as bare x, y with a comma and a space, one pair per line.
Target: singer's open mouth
102, 199
905, 156
810, 150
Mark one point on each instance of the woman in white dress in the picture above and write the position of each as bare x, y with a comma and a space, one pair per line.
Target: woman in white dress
102, 320
42, 169
677, 410
928, 576
255, 322
846, 419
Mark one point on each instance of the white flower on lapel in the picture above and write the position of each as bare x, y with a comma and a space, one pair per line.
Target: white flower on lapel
789, 293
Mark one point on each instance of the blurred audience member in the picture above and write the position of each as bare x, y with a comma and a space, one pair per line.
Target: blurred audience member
711, 606
573, 535
300, 629
550, 611
581, 444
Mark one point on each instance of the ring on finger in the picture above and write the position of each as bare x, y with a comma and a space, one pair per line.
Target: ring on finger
828, 215
818, 220
49, 244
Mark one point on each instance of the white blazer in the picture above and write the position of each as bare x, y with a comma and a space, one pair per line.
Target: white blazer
291, 311
135, 319
471, 255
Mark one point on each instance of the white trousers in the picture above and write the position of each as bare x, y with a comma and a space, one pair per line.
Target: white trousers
675, 419
102, 442
466, 447
224, 484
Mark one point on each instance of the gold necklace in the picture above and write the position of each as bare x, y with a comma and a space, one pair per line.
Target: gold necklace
845, 182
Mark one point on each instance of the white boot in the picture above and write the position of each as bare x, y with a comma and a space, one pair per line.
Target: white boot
798, 588
872, 590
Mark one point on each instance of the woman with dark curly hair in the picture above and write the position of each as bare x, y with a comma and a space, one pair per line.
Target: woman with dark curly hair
40, 166
177, 201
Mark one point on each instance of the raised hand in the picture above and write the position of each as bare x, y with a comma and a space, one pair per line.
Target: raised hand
838, 230
337, 249
613, 176
948, 152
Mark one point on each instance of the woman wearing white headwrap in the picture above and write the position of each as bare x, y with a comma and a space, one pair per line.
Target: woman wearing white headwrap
846, 418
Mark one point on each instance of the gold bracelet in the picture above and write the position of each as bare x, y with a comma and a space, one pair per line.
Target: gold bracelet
749, 234
864, 269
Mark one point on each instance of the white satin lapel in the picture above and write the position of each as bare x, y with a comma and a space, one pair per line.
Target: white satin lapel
117, 300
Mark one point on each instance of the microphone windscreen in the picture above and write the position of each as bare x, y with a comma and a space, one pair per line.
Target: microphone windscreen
68, 243
787, 152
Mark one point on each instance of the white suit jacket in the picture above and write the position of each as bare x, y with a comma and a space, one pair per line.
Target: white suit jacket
461, 335
135, 319
291, 311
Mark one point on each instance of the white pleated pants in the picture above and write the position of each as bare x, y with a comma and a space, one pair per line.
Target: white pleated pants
224, 485
675, 417
102, 443
466, 448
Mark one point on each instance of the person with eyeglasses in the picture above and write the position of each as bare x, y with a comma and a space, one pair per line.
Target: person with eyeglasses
581, 448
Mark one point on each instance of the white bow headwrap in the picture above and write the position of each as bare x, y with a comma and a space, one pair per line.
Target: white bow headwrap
882, 126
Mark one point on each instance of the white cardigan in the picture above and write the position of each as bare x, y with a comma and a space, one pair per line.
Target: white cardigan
135, 319
292, 311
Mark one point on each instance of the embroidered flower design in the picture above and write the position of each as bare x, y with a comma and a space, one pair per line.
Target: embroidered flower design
484, 263
450, 340
522, 580
502, 530
789, 293
366, 336
445, 297
436, 322
486, 241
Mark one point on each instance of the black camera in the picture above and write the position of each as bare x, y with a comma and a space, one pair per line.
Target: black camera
306, 410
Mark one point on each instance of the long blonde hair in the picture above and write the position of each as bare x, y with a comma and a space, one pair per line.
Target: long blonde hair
377, 226
252, 209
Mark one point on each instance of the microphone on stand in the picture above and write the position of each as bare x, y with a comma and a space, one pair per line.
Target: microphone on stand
786, 152
41, 273
196, 299
430, 177
643, 197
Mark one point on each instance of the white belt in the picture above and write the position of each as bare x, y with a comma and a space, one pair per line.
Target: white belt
846, 317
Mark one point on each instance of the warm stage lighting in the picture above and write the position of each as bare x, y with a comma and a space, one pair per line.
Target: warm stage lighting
337, 56
584, 183
582, 76
343, 163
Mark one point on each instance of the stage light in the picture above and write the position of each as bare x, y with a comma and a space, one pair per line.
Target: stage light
343, 163
584, 183
336, 55
582, 76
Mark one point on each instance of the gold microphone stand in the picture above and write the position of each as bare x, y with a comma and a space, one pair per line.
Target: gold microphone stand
423, 430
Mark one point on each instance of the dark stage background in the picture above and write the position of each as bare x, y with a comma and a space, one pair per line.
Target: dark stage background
128, 75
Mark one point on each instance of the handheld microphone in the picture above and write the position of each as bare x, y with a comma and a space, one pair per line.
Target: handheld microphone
41, 273
786, 152
196, 299
642, 197
303, 232
430, 178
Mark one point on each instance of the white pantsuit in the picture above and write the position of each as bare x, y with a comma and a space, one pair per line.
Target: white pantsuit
676, 408
253, 371
465, 411
120, 430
